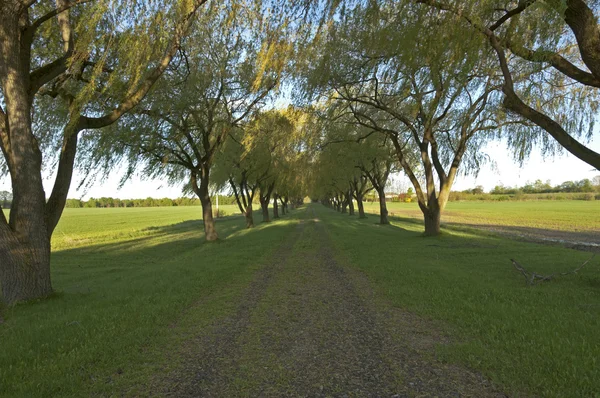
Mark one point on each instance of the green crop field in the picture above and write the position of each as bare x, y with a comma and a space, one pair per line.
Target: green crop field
92, 226
572, 215
135, 285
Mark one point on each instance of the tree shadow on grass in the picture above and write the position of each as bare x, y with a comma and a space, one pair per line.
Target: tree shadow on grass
179, 245
583, 241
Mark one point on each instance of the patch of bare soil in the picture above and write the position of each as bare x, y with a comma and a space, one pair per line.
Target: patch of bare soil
309, 326
586, 241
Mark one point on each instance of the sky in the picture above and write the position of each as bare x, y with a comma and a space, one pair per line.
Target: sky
505, 171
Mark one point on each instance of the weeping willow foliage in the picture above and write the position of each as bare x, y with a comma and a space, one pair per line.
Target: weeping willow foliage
387, 40
382, 67
541, 29
116, 42
224, 73
348, 152
270, 149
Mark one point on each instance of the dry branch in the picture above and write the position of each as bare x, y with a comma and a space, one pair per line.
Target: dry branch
533, 278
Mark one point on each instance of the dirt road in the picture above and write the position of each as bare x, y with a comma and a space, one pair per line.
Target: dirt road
310, 326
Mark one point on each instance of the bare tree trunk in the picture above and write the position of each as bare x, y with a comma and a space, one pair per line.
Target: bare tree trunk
383, 212
25, 268
25, 240
210, 232
275, 207
432, 220
350, 204
361, 205
249, 216
344, 206
264, 205
283, 206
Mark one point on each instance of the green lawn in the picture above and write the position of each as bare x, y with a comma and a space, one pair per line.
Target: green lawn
107, 326
542, 340
82, 227
571, 215
125, 277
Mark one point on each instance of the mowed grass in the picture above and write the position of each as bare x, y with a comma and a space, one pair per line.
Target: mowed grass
133, 284
571, 215
533, 341
121, 302
82, 227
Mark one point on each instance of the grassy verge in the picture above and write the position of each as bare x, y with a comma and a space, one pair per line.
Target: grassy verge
118, 302
539, 340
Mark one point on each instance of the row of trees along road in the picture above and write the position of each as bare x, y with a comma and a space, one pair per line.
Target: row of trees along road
71, 69
437, 94
186, 90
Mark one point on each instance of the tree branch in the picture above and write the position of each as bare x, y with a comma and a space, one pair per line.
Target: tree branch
132, 100
523, 5
532, 278
58, 10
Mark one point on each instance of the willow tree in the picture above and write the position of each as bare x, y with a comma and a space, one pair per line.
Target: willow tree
264, 145
67, 68
229, 70
433, 93
259, 161
557, 44
355, 159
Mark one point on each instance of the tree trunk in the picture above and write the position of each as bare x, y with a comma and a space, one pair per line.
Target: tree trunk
361, 206
25, 240
344, 206
264, 205
350, 206
283, 207
432, 221
275, 208
249, 216
383, 212
210, 232
24, 267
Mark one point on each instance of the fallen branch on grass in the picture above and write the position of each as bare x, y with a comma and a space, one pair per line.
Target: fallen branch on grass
532, 277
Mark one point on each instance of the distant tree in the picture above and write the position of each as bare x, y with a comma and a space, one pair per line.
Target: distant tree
5, 199
596, 182
478, 190
584, 185
73, 203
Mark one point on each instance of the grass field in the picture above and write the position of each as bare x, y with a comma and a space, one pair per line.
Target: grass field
134, 284
540, 340
118, 295
81, 227
573, 215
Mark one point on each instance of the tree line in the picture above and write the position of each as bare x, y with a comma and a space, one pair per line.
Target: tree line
581, 186
191, 91
106, 202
